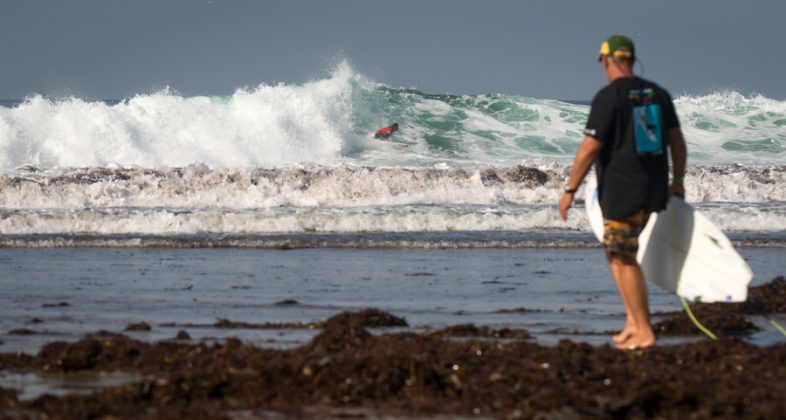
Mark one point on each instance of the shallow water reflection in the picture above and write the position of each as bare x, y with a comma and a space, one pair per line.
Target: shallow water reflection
33, 385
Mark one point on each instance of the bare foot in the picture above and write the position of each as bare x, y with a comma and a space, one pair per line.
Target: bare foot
637, 341
624, 334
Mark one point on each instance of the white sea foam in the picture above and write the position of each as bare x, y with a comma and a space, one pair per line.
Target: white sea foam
278, 221
729, 127
299, 186
262, 126
344, 199
299, 159
328, 121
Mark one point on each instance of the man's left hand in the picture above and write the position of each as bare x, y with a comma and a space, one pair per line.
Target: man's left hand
678, 190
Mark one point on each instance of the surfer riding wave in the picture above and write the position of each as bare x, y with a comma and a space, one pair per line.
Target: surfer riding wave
384, 133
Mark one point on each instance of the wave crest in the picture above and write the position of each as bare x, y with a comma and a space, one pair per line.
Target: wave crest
329, 122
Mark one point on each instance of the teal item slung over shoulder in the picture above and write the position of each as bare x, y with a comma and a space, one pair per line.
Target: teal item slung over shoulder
648, 130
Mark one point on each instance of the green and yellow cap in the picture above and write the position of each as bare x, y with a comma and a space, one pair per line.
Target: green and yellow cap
618, 46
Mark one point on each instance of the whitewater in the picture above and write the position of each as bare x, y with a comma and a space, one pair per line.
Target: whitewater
296, 165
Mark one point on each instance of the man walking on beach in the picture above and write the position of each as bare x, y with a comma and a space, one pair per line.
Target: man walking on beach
631, 123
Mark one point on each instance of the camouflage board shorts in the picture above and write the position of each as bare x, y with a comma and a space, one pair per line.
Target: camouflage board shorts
622, 235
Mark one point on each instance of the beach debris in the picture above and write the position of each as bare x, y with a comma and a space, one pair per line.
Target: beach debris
519, 310
139, 326
287, 302
21, 331
405, 374
471, 330
348, 329
223, 323
55, 305
727, 318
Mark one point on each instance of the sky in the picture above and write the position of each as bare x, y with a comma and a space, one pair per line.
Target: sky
546, 49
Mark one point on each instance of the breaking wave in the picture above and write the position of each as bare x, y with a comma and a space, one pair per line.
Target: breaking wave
329, 122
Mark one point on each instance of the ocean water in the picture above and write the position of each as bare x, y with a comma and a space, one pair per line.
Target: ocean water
450, 222
64, 293
295, 165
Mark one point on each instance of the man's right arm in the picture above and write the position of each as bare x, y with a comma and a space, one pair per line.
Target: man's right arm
679, 155
585, 156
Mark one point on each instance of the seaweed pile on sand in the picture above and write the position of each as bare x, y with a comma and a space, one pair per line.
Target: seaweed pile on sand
346, 370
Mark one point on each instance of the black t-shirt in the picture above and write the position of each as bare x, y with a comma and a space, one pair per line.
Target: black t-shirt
631, 117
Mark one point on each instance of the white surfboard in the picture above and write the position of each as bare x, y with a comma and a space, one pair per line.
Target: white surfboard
683, 252
387, 143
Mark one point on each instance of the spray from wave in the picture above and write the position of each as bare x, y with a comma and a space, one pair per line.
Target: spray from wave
268, 125
328, 122
293, 161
